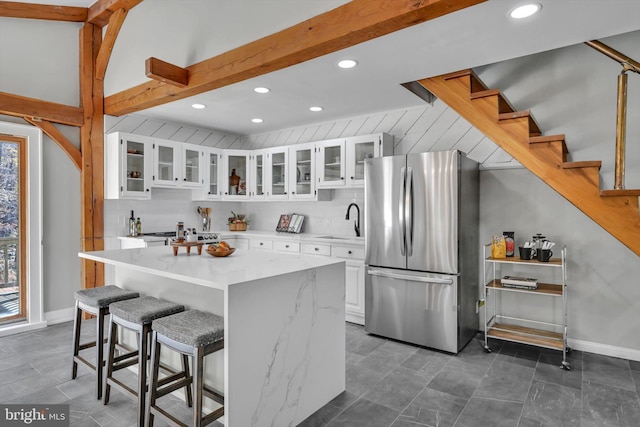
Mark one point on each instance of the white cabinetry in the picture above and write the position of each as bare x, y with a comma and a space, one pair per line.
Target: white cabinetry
177, 164
212, 175
127, 165
330, 165
360, 148
341, 161
236, 171
258, 175
302, 172
354, 281
277, 175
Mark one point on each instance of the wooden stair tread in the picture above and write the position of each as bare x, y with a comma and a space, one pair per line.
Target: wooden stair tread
534, 129
476, 84
550, 139
583, 164
504, 106
616, 193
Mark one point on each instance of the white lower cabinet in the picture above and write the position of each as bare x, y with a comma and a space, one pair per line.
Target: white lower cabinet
266, 244
354, 281
287, 247
241, 243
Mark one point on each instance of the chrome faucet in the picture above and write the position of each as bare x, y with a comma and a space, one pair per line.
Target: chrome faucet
356, 224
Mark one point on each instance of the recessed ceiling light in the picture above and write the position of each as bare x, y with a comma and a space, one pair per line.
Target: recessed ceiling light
262, 90
525, 10
347, 63
315, 108
198, 106
257, 120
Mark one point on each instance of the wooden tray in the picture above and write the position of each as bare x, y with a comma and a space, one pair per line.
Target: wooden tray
188, 245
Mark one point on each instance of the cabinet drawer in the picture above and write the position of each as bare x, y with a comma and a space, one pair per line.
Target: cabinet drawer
261, 244
316, 249
348, 252
286, 246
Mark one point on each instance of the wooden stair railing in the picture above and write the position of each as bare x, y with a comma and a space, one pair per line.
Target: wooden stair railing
518, 133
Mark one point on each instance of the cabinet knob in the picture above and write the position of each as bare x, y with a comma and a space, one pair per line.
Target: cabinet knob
286, 246
147, 189
261, 243
225, 193
349, 252
284, 192
316, 249
353, 177
184, 179
176, 178
342, 177
209, 192
293, 192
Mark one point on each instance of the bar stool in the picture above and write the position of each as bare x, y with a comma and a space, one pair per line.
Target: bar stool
196, 334
94, 301
136, 315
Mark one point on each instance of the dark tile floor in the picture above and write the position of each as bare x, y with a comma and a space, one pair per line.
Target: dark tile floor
389, 384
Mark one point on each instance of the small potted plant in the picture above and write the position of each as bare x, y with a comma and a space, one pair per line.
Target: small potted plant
237, 222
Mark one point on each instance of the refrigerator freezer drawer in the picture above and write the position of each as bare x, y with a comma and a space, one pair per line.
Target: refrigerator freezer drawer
419, 308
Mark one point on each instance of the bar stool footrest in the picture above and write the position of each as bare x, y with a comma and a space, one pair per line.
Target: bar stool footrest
156, 411
213, 416
113, 382
213, 394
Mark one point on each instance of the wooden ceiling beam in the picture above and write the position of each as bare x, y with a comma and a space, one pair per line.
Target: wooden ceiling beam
345, 26
52, 132
21, 106
12, 9
115, 23
100, 12
166, 72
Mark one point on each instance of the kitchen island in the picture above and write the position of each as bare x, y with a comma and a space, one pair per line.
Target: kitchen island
284, 355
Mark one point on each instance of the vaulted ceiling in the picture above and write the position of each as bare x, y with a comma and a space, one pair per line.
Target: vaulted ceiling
190, 31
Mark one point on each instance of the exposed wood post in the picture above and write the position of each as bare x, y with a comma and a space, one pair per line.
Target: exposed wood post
115, 23
92, 148
621, 131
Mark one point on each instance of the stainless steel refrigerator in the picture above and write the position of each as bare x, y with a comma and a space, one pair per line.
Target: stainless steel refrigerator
422, 248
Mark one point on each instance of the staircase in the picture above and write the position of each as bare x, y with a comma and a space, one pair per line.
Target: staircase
517, 133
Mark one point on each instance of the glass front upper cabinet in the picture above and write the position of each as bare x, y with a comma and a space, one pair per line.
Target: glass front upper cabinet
278, 174
259, 181
302, 182
237, 169
166, 170
331, 164
191, 170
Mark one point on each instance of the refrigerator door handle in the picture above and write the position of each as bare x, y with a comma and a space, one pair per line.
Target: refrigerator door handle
374, 272
409, 212
402, 211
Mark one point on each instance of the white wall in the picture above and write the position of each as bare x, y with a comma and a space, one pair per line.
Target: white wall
39, 59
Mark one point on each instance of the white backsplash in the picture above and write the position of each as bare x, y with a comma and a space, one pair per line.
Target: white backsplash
320, 217
168, 206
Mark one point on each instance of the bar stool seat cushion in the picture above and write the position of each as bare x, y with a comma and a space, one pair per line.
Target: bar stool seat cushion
192, 327
102, 296
144, 310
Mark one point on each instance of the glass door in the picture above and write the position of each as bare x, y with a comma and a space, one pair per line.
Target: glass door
332, 163
279, 184
13, 193
237, 168
213, 163
303, 180
191, 166
165, 164
259, 175
135, 160
358, 149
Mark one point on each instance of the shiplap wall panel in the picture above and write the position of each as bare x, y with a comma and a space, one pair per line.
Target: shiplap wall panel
337, 129
389, 122
430, 128
148, 127
435, 131
166, 131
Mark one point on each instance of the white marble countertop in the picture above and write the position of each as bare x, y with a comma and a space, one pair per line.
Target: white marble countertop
241, 266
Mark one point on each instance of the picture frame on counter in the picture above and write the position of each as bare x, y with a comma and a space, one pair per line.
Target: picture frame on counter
290, 223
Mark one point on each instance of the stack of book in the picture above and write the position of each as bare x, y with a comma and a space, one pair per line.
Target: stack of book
519, 282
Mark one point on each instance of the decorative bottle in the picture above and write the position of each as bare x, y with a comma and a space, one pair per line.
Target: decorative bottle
132, 225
